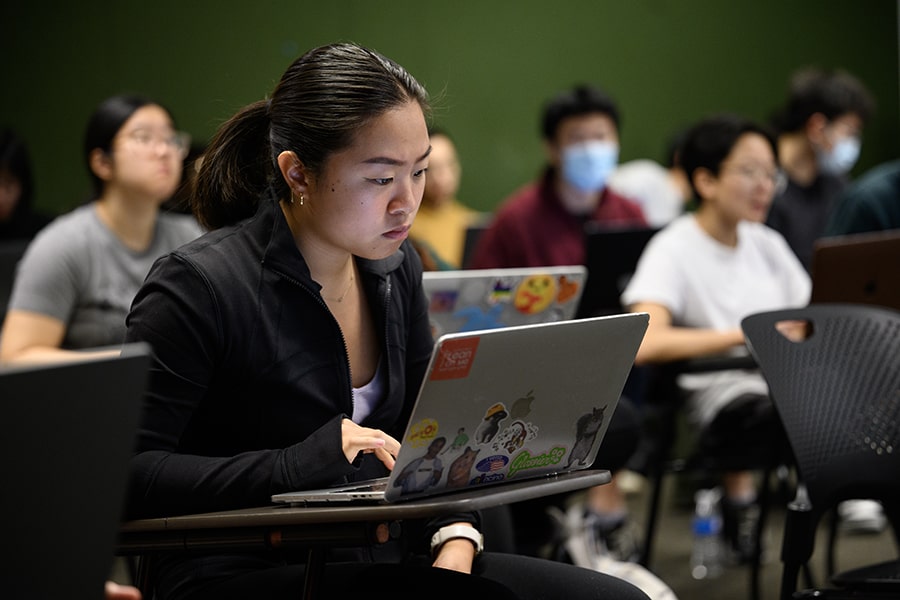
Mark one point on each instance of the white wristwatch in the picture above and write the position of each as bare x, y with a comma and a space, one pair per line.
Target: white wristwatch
450, 532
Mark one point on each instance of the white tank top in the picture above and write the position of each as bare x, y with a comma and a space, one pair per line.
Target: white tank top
367, 397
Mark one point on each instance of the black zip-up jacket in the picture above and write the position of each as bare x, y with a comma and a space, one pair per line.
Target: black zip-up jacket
251, 376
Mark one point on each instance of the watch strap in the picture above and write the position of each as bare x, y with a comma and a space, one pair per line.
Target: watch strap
451, 532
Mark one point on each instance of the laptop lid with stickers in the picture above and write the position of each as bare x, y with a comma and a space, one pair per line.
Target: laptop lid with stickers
473, 300
505, 405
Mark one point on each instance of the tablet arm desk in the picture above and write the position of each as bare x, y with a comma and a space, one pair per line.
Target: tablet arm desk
317, 528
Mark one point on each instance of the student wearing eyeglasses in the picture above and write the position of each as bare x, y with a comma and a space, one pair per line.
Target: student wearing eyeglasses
697, 278
77, 279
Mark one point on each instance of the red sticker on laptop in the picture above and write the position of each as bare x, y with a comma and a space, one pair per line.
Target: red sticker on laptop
454, 359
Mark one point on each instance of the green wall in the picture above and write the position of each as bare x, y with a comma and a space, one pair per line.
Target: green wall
491, 64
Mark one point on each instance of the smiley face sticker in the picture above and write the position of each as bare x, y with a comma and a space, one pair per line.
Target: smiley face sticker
535, 294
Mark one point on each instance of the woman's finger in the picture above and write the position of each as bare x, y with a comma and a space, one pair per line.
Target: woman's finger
386, 457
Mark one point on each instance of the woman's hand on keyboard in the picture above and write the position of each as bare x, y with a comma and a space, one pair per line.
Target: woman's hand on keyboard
356, 439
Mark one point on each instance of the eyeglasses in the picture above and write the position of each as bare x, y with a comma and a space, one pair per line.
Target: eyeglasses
178, 141
754, 174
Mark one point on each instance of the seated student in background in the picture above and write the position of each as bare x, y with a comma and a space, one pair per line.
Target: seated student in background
871, 203
18, 218
819, 135
76, 281
442, 220
702, 274
662, 191
291, 340
819, 138
543, 223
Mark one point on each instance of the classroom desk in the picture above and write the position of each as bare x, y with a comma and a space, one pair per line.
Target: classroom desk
316, 528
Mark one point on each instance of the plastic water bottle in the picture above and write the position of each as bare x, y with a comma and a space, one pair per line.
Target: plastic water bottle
706, 556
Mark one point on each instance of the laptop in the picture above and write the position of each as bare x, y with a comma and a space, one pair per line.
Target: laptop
70, 435
477, 299
611, 256
860, 268
505, 405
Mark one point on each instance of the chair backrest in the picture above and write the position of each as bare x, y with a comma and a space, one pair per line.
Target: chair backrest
838, 395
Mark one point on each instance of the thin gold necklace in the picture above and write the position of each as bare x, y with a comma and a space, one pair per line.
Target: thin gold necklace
341, 297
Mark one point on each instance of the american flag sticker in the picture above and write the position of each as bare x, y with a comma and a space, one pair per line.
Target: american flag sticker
455, 359
492, 463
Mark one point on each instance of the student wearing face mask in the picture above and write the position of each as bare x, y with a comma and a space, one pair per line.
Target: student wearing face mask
819, 139
542, 224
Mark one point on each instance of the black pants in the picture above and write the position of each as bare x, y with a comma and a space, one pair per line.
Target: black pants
745, 434
495, 576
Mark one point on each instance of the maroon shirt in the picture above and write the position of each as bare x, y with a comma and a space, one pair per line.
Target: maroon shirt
533, 229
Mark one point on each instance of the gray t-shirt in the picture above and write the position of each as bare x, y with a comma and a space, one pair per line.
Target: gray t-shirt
76, 270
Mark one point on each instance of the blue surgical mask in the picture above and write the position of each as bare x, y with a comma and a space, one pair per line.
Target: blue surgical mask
587, 166
841, 158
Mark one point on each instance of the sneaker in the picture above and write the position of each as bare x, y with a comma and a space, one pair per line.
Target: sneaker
638, 576
624, 541
621, 541
740, 527
861, 516
584, 548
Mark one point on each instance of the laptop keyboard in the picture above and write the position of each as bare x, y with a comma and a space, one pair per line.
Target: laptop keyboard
369, 485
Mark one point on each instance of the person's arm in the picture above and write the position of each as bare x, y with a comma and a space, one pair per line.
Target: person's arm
665, 342
178, 312
45, 292
456, 554
438, 471
32, 338
356, 439
115, 591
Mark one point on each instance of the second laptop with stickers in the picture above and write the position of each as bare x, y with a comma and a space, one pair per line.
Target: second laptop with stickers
505, 405
470, 300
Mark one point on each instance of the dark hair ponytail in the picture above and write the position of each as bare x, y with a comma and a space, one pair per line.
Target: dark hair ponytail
236, 168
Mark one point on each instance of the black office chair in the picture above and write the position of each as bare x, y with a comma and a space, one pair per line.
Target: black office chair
838, 395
